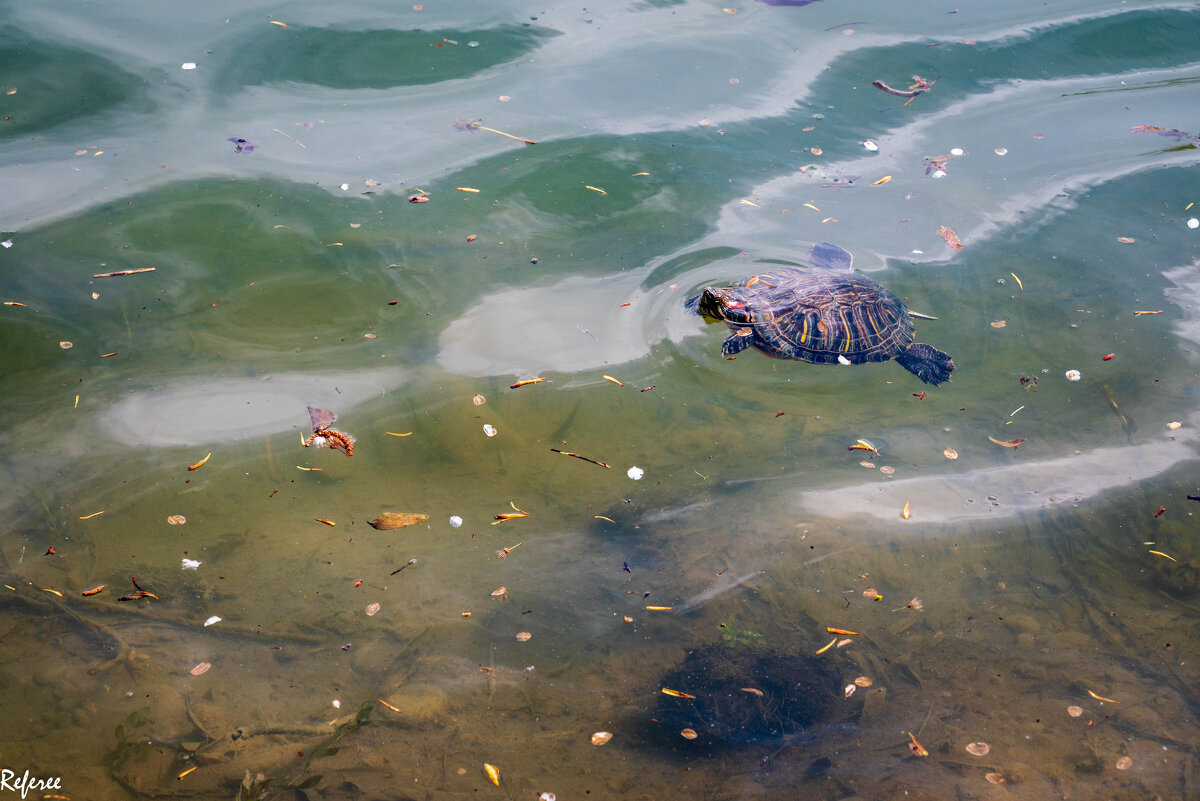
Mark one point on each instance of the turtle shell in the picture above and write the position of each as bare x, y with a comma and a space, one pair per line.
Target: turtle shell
811, 315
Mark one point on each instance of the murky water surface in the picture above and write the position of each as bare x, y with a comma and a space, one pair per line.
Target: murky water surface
340, 213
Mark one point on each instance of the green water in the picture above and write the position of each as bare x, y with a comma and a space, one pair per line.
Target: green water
678, 145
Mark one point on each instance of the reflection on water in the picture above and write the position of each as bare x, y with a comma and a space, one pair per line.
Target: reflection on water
1039, 598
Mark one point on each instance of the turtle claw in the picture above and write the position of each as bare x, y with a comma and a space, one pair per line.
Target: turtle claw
927, 363
736, 343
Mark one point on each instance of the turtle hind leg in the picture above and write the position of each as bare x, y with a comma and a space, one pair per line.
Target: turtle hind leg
927, 363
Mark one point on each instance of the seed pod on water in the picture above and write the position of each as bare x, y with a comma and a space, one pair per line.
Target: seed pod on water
393, 520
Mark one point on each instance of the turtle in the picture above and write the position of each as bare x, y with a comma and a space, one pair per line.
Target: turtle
822, 316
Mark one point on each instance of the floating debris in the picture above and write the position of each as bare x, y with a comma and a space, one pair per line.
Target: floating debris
688, 734
994, 778
635, 473
1007, 443
176, 520
978, 749
501, 593
503, 553
1073, 375
917, 87
455, 521
489, 429
1124, 763
392, 520
372, 609
515, 514
200, 463
1074, 711
189, 564
492, 772
524, 636
479, 400
212, 621
950, 453
584, 458
949, 237
332, 439
120, 273
601, 737
863, 681
1174, 426
201, 668
462, 124
409, 563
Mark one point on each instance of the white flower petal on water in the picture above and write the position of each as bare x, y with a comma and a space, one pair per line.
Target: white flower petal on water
635, 473
1193, 223
190, 564
455, 521
188, 65
211, 620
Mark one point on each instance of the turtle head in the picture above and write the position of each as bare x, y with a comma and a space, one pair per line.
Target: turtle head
720, 304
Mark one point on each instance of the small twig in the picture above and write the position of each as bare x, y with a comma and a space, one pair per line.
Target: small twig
294, 139
584, 458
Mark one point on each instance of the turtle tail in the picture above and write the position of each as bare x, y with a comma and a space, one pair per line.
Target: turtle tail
927, 363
